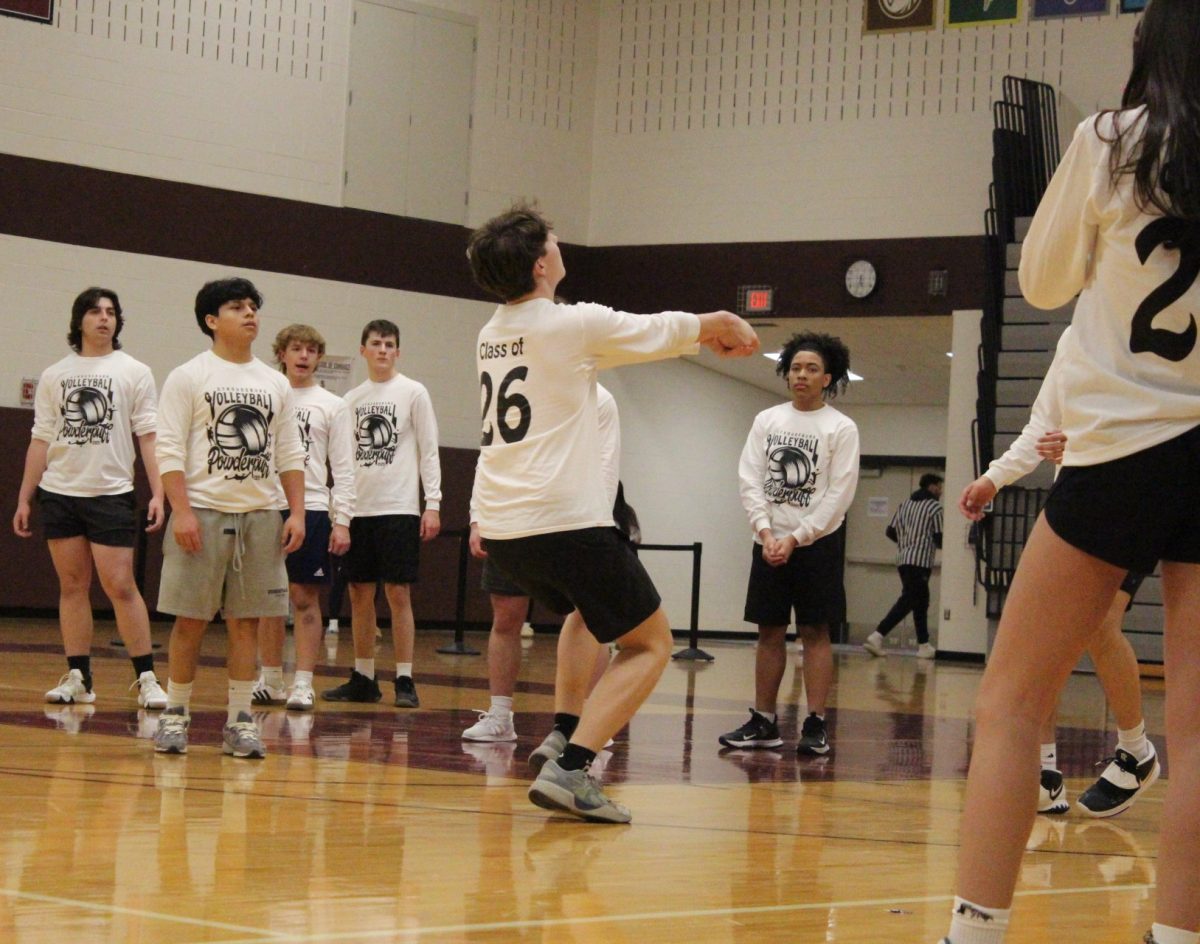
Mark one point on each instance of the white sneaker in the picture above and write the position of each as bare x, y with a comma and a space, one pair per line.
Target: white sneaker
491, 726
301, 698
874, 644
265, 694
71, 690
150, 693
926, 651
1052, 793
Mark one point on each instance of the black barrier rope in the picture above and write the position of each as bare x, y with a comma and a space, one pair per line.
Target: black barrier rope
693, 652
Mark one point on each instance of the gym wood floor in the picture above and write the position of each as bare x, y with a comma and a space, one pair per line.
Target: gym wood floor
375, 824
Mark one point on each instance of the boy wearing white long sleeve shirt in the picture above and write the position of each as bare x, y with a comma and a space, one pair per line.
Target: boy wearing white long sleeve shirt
798, 473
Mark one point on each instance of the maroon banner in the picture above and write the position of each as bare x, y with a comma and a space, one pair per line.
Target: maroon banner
41, 10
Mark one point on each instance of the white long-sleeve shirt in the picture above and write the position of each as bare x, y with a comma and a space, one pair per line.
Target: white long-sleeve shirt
396, 448
88, 409
1130, 378
229, 428
539, 470
323, 420
798, 472
1045, 415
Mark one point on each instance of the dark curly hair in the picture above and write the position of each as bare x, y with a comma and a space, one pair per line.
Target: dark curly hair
85, 302
213, 295
502, 252
833, 353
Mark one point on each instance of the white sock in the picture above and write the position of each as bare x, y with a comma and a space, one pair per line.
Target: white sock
239, 699
365, 667
179, 695
769, 715
273, 675
303, 678
502, 705
1165, 935
974, 924
1050, 756
1134, 740
403, 668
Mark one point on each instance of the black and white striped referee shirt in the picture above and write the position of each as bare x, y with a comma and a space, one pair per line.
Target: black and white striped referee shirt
917, 528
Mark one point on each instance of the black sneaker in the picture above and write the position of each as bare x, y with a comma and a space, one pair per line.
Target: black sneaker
359, 688
406, 693
1052, 795
813, 739
1122, 782
755, 733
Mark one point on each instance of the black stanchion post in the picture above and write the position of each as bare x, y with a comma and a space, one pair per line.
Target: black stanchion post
459, 647
693, 652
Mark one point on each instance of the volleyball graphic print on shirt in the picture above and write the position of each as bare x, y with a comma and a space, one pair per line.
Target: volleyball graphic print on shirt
304, 423
376, 434
239, 433
87, 410
792, 471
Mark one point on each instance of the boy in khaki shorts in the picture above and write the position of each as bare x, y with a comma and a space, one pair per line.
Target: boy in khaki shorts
226, 426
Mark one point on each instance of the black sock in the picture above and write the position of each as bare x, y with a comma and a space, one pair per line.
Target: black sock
84, 665
143, 664
566, 723
576, 757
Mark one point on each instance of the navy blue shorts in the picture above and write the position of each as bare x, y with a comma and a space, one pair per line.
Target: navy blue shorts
593, 570
311, 563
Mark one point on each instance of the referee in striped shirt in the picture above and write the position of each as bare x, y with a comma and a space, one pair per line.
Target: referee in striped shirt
917, 529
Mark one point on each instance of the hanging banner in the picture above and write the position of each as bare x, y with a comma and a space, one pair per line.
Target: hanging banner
890, 16
1044, 9
1133, 6
982, 12
40, 10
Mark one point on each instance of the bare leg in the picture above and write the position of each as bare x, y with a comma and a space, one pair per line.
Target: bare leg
115, 567
631, 677
603, 658
362, 619
241, 657
818, 665
404, 628
770, 659
1179, 834
183, 651
576, 659
306, 605
1062, 593
504, 643
271, 632
73, 563
1117, 667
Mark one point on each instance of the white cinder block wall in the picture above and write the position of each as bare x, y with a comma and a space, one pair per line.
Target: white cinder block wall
779, 122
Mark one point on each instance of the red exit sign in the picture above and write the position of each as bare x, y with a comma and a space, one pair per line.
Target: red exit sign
756, 299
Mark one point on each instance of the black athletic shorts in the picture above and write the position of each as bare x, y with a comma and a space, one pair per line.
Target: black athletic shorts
311, 563
1134, 511
811, 584
383, 548
496, 581
593, 570
110, 520
1131, 585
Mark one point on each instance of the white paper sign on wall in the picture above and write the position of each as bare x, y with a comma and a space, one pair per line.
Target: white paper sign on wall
877, 507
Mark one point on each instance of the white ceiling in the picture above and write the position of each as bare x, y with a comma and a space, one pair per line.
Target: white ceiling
901, 360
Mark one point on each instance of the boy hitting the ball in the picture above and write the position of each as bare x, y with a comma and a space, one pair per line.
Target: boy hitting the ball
226, 427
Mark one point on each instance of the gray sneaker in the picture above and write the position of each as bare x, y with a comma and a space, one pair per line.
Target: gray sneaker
575, 792
171, 735
241, 738
554, 744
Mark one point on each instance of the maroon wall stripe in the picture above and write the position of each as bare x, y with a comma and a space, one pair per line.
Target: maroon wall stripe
67, 203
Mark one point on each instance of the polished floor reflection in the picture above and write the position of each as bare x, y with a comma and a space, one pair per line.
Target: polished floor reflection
376, 824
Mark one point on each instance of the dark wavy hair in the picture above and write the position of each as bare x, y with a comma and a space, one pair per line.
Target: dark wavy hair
1164, 159
503, 250
213, 295
834, 355
85, 302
